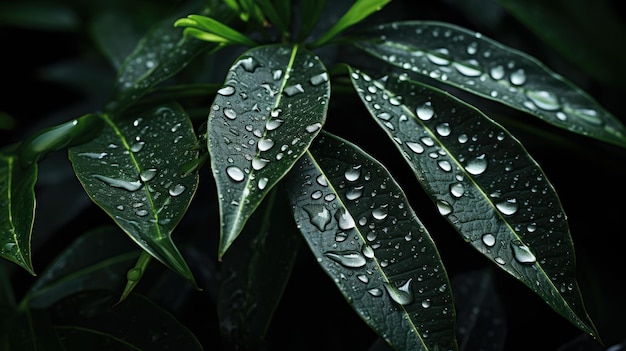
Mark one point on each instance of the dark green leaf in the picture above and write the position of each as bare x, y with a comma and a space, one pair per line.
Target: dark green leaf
17, 210
272, 104
567, 26
484, 183
359, 11
489, 69
270, 11
132, 171
133, 276
88, 321
360, 226
310, 12
31, 329
97, 260
255, 272
39, 15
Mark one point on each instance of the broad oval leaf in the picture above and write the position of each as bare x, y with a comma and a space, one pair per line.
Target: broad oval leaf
17, 210
271, 106
482, 66
360, 226
132, 170
484, 183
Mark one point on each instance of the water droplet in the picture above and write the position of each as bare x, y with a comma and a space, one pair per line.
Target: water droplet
363, 278
273, 124
353, 173
313, 127
265, 144
439, 57
321, 180
227, 90
354, 193
294, 90
319, 79
316, 195
507, 207
497, 72
499, 260
444, 165
277, 74
230, 113
141, 213
415, 147
470, 68
522, 253
351, 259
94, 155
259, 163
477, 166
518, 77
489, 239
375, 292
262, 183
457, 190
444, 129
344, 219
426, 303
380, 213
425, 111
177, 189
587, 115
136, 147
147, 174
235, 173
319, 215
444, 207
544, 99
401, 295
118, 183
249, 64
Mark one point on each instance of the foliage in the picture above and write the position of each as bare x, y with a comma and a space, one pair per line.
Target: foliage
301, 130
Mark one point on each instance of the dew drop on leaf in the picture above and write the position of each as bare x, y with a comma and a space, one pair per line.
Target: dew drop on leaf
508, 206
350, 259
425, 111
489, 239
177, 189
444, 207
344, 219
522, 253
319, 215
477, 166
227, 90
235, 173
118, 183
353, 173
401, 295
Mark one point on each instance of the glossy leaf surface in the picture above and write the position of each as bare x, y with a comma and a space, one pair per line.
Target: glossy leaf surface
97, 260
487, 68
272, 104
17, 210
360, 226
484, 183
132, 170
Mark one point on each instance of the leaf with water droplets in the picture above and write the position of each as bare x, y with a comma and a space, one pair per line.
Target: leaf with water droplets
132, 170
17, 210
372, 245
489, 69
271, 106
484, 183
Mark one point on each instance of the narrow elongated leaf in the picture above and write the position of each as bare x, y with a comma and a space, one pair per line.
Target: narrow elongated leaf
98, 259
272, 104
31, 329
17, 210
132, 170
489, 69
360, 226
214, 26
484, 183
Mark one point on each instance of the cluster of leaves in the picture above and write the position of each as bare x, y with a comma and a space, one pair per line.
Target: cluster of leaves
140, 159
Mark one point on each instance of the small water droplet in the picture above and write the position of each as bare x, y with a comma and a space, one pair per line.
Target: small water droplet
353, 173
177, 189
489, 239
477, 166
444, 207
439, 57
497, 72
363, 278
294, 90
136, 147
375, 292
508, 206
313, 127
444, 165
94, 155
227, 90
426, 303
544, 99
230, 113
262, 183
319, 215
470, 68
518, 77
316, 195
522, 253
457, 190
141, 213
350, 259
415, 147
321, 180
277, 74
319, 79
250, 64
235, 173
499, 260
402, 295
425, 111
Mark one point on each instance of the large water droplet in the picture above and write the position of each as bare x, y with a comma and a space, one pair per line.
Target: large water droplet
470, 68
351, 259
439, 57
319, 215
313, 127
353, 173
457, 190
444, 207
489, 239
518, 77
235, 173
507, 207
344, 219
259, 163
415, 147
381, 212
249, 64
294, 90
444, 129
354, 193
177, 189
522, 253
425, 111
265, 144
402, 295
544, 99
227, 90
230, 113
136, 147
477, 166
319, 79
118, 183
273, 124
148, 174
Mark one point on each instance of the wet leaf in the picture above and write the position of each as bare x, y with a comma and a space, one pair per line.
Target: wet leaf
96, 260
255, 272
133, 276
88, 321
489, 69
484, 183
17, 210
272, 104
360, 226
132, 171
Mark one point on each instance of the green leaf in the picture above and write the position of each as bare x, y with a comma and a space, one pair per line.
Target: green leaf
132, 171
489, 69
310, 12
213, 26
484, 183
133, 276
255, 272
17, 210
360, 226
96, 260
359, 11
273, 103
272, 14
87, 321
32, 329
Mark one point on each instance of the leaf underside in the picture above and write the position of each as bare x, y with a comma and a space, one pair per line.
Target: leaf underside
484, 183
132, 170
271, 106
489, 69
360, 226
